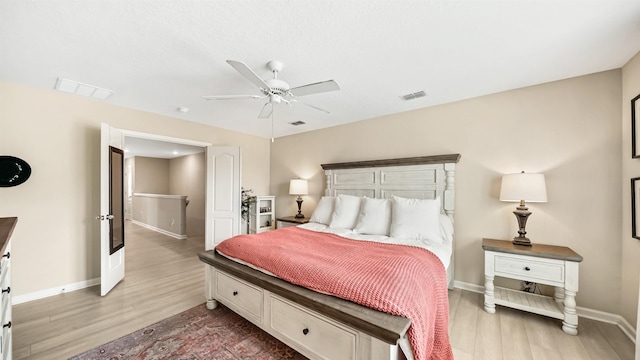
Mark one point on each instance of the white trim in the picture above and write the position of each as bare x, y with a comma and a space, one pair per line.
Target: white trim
165, 232
161, 196
468, 287
587, 313
37, 295
150, 136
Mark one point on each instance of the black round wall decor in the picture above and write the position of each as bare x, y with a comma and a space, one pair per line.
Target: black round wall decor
13, 171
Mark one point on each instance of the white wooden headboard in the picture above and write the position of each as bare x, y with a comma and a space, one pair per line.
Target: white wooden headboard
425, 177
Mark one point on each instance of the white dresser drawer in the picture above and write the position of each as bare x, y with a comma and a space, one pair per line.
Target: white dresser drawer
240, 296
324, 339
528, 269
6, 343
5, 262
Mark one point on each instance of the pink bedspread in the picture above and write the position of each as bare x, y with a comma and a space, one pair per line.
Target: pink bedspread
397, 279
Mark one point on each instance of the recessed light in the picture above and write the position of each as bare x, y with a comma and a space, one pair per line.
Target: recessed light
183, 109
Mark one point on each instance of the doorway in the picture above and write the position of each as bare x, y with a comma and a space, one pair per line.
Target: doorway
165, 183
222, 199
164, 166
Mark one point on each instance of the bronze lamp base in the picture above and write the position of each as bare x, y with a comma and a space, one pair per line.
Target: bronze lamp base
522, 213
299, 214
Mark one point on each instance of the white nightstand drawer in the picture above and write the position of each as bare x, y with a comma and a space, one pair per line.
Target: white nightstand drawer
529, 269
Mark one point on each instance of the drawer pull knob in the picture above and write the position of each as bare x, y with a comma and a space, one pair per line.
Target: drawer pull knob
235, 293
7, 290
7, 255
527, 268
305, 331
7, 325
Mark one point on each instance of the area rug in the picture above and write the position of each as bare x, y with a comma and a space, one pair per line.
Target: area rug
196, 334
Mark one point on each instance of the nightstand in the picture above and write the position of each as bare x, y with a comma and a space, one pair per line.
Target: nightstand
282, 222
543, 264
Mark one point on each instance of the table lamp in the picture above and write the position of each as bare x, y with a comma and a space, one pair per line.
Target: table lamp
299, 187
523, 187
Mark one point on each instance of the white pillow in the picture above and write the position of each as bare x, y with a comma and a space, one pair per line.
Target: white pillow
322, 213
345, 212
415, 219
375, 217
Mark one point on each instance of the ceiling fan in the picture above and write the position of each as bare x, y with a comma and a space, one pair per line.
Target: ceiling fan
275, 90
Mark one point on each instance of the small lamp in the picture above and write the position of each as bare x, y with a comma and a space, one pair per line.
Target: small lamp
523, 187
299, 187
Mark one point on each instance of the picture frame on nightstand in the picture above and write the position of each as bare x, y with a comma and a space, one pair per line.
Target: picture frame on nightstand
635, 127
635, 211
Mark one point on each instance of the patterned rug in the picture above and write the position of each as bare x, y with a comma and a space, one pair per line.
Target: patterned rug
196, 334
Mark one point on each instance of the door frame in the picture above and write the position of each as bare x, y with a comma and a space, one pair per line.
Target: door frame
150, 136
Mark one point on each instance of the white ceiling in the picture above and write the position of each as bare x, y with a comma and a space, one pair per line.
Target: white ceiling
160, 55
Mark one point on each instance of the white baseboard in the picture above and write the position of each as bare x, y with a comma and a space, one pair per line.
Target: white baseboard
19, 299
165, 232
623, 324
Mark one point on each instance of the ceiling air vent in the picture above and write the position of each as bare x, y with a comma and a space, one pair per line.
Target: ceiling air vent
297, 123
78, 88
413, 96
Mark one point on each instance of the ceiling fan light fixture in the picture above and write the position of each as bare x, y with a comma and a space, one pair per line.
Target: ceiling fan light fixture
277, 86
276, 90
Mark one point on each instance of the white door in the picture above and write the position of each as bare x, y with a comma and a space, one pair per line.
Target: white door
223, 194
111, 208
223, 204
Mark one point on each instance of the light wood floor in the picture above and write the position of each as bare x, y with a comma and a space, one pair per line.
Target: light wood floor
164, 277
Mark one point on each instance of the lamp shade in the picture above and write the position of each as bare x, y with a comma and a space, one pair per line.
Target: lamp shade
298, 187
522, 186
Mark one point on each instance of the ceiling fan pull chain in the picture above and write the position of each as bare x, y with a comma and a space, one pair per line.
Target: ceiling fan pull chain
272, 140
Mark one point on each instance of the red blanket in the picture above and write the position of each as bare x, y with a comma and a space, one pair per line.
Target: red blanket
397, 279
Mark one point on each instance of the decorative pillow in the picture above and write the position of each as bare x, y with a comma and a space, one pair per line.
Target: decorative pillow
345, 212
322, 213
375, 217
415, 219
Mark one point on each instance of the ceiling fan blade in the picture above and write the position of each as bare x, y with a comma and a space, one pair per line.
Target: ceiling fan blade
266, 111
311, 106
315, 88
249, 74
231, 97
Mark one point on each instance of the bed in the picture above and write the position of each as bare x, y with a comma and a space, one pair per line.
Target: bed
341, 318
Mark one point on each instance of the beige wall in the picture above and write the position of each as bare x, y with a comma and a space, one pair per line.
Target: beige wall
152, 176
569, 130
56, 241
631, 169
163, 212
187, 175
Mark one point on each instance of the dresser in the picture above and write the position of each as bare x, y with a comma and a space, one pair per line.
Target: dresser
6, 229
556, 266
